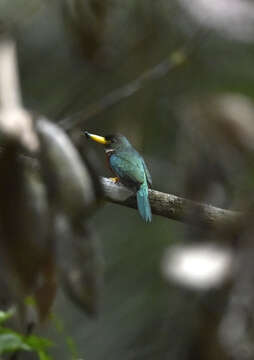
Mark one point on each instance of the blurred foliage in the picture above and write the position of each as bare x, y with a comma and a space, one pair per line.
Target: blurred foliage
12, 342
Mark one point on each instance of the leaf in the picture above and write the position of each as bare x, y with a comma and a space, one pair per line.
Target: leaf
12, 342
72, 347
38, 343
5, 315
44, 356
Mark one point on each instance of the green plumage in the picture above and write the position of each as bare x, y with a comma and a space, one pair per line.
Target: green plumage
143, 203
129, 166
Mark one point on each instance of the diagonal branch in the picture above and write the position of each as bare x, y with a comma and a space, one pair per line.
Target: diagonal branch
175, 207
160, 70
176, 59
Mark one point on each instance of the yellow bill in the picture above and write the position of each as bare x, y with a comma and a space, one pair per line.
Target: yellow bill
97, 138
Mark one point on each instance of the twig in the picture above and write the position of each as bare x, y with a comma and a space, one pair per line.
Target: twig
175, 207
171, 62
176, 59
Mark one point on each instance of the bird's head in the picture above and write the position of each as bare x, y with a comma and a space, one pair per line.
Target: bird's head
111, 142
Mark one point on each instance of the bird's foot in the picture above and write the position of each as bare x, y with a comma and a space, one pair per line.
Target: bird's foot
114, 179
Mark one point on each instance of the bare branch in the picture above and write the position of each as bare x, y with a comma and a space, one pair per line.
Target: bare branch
176, 59
168, 64
175, 207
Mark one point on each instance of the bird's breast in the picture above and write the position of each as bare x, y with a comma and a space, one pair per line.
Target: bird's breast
109, 153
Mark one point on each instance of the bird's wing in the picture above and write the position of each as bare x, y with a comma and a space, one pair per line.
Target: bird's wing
148, 175
128, 168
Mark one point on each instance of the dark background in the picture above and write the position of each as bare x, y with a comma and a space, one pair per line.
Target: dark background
73, 53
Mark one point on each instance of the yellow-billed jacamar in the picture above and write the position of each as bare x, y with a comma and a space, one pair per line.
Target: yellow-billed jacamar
129, 166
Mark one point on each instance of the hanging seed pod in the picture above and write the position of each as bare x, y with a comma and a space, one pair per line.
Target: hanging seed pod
69, 183
72, 196
80, 263
23, 220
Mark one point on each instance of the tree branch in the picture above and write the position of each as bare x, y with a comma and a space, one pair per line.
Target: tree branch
176, 59
175, 207
160, 70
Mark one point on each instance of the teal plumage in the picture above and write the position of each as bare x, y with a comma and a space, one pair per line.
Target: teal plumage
129, 166
143, 203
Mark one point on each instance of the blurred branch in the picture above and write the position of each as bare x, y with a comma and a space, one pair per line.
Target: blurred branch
175, 207
15, 123
176, 59
171, 62
9, 84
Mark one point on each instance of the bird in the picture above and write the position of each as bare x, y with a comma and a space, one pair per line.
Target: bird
129, 167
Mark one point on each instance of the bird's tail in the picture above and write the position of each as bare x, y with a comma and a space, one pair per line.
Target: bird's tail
143, 202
